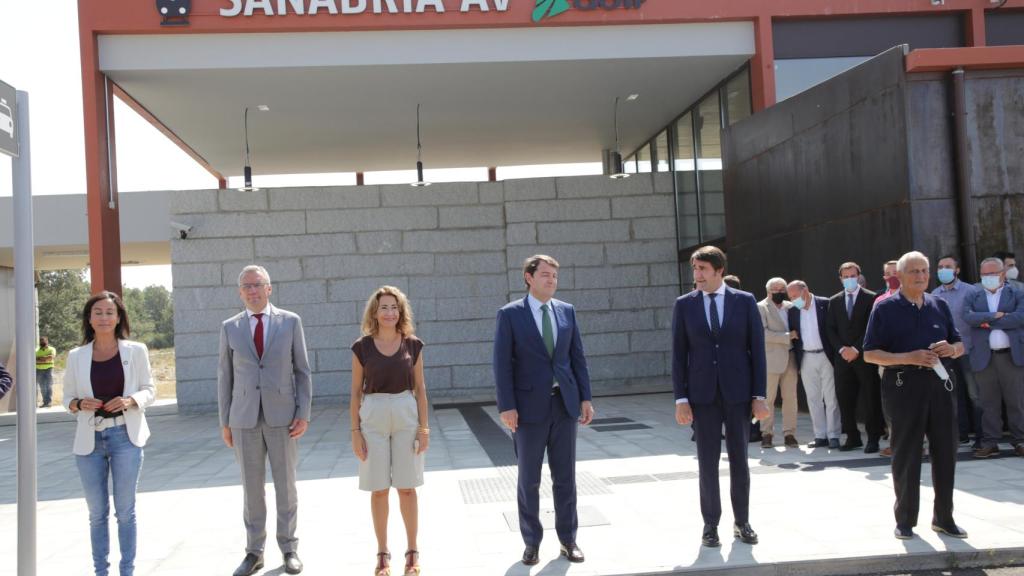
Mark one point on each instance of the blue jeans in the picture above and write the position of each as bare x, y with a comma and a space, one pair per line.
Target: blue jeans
44, 379
117, 458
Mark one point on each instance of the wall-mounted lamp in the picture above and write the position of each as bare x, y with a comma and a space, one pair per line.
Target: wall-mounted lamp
618, 171
247, 171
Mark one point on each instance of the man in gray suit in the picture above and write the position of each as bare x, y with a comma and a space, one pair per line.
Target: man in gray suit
264, 391
996, 317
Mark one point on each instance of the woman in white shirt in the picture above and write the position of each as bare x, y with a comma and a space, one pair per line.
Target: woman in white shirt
108, 386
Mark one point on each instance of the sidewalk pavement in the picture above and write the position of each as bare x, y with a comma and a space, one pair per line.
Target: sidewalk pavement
816, 511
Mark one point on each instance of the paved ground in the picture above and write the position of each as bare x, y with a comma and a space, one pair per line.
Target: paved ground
816, 511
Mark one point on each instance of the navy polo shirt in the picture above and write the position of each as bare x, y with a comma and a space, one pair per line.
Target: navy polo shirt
897, 325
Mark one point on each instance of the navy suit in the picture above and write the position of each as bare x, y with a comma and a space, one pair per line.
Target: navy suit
821, 307
524, 374
719, 376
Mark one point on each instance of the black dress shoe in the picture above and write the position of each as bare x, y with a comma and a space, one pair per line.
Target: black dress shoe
850, 445
745, 533
250, 564
833, 444
530, 557
572, 552
292, 564
871, 447
710, 536
818, 443
950, 529
903, 533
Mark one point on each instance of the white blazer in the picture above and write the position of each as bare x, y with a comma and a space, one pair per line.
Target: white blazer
138, 384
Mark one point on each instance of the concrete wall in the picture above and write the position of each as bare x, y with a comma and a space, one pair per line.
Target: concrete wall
455, 249
821, 178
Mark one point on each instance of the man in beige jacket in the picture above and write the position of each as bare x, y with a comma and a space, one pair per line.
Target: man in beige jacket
778, 344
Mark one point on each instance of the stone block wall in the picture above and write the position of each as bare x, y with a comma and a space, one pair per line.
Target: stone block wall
456, 249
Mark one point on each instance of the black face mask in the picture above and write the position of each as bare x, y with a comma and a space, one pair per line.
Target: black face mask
778, 297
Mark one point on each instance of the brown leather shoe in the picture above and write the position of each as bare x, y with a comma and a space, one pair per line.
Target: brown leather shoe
791, 441
986, 452
766, 440
886, 452
1019, 450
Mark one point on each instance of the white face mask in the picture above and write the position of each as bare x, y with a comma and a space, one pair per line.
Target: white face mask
1012, 272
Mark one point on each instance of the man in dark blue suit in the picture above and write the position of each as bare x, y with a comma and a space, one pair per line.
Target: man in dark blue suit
814, 359
543, 389
718, 375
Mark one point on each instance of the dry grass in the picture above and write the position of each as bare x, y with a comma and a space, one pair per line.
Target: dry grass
161, 364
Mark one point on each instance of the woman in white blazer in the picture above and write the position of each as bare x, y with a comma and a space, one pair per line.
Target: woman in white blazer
108, 386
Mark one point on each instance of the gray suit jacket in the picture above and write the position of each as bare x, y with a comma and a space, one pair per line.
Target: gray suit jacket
280, 382
1011, 303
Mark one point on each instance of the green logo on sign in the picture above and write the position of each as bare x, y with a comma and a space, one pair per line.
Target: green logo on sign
549, 9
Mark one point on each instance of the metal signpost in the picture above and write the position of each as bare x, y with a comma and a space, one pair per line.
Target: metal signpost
14, 141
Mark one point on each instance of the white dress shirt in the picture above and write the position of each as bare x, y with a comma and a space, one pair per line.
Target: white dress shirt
809, 333
538, 317
253, 320
997, 339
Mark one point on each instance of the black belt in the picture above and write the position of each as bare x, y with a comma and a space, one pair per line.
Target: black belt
1001, 351
818, 351
905, 367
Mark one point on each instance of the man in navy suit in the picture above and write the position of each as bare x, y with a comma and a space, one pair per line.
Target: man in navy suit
814, 360
719, 375
543, 389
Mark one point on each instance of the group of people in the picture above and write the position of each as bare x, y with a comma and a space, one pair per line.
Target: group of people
730, 357
822, 340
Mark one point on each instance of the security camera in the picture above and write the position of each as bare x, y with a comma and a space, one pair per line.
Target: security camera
183, 229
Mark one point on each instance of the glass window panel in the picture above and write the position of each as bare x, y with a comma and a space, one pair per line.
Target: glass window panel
629, 166
709, 169
661, 151
737, 97
643, 159
684, 165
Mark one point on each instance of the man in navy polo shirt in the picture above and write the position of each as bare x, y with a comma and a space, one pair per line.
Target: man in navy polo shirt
912, 335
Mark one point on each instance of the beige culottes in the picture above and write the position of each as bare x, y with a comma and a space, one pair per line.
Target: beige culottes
389, 423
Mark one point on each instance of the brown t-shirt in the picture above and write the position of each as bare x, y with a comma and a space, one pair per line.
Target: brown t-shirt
388, 374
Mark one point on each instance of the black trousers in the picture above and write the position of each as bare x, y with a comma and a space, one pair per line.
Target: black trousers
853, 381
920, 406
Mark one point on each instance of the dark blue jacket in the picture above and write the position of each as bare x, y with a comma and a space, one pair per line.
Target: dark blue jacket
821, 306
734, 362
523, 371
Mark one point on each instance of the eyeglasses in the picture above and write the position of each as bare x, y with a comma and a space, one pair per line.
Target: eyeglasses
252, 286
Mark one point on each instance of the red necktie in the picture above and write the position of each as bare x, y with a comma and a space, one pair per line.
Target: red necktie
257, 335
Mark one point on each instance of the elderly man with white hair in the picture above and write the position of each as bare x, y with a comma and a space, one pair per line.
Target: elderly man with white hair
912, 335
996, 317
778, 344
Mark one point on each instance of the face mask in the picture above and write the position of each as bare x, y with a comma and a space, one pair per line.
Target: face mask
1012, 272
850, 284
990, 282
799, 303
778, 297
946, 275
893, 282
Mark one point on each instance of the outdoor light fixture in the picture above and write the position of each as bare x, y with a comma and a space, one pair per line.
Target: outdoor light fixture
419, 153
247, 171
618, 171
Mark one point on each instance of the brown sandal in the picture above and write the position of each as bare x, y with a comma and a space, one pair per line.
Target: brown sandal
412, 563
383, 561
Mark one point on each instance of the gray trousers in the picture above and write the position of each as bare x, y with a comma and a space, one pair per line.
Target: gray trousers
252, 448
1001, 381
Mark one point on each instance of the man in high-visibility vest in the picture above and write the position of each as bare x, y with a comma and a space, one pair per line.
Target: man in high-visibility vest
44, 369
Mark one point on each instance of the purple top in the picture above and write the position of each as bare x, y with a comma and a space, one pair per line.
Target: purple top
107, 378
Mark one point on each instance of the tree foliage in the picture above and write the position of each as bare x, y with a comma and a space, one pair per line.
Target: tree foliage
62, 295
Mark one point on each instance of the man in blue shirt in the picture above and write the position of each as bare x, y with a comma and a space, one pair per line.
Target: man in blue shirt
954, 291
910, 334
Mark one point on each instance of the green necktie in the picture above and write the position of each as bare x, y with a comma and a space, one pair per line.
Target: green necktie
547, 332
